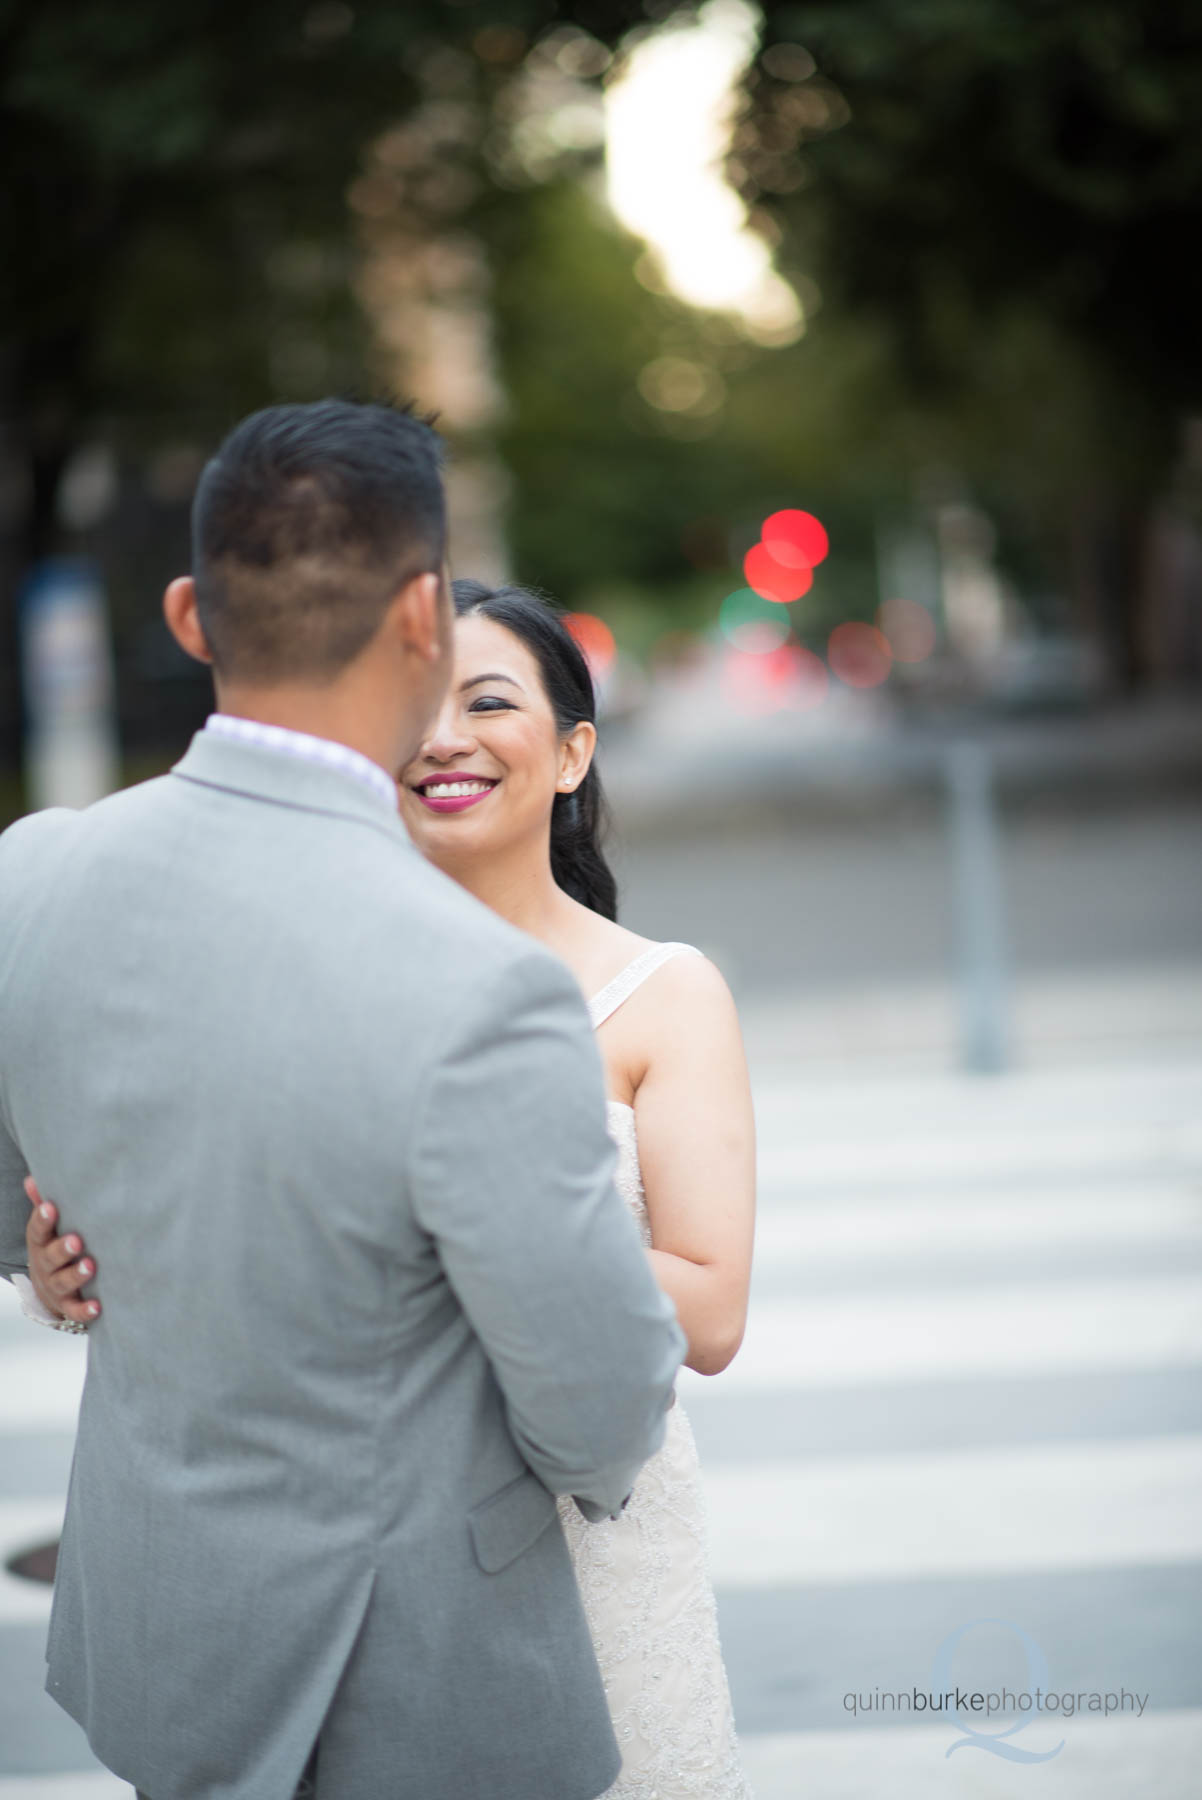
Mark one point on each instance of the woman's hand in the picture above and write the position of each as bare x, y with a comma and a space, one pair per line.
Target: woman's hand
59, 1267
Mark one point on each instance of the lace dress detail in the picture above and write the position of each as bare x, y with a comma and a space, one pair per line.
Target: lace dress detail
644, 1577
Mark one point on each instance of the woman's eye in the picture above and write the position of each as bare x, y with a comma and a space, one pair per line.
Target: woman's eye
490, 703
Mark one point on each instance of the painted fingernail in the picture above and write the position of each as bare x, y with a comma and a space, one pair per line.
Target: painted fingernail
74, 1245
94, 1310
45, 1210
86, 1268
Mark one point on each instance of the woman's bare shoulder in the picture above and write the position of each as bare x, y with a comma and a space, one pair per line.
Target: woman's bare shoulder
694, 983
685, 998
683, 1029
693, 979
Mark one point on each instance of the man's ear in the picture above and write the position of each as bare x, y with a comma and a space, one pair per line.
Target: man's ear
183, 622
416, 615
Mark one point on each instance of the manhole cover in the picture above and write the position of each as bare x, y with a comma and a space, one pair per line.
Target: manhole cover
37, 1564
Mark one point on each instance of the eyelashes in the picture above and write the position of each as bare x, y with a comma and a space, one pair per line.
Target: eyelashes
490, 703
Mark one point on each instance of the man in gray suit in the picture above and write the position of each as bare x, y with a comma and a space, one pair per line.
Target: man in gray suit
335, 1134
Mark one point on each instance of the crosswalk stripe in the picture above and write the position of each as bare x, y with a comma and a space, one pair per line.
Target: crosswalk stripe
1157, 1089
998, 1152
789, 1236
955, 1335
1088, 1505
901, 1335
41, 1381
834, 1520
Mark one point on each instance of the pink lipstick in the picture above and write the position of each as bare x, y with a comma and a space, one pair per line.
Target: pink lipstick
434, 795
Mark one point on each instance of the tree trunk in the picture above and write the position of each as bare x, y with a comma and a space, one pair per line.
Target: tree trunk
1107, 556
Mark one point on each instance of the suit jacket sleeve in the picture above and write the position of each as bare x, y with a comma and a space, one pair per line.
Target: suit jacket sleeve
14, 1206
512, 1174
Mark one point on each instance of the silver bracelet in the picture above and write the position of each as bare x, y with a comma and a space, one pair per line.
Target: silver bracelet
34, 1309
57, 1324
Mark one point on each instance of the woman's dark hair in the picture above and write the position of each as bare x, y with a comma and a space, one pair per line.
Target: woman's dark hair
579, 820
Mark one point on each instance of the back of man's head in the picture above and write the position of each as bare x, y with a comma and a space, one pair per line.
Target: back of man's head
307, 521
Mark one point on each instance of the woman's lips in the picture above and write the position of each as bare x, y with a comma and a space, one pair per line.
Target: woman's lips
451, 802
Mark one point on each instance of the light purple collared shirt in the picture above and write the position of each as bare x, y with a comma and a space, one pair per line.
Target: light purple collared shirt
326, 751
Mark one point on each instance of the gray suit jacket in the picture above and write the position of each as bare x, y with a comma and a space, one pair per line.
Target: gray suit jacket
336, 1136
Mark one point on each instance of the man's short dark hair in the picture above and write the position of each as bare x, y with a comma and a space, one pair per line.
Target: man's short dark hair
307, 521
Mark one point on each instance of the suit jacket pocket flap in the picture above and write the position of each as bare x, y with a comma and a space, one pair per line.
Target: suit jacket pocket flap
509, 1521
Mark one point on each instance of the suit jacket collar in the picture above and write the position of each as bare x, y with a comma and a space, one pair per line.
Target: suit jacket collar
284, 780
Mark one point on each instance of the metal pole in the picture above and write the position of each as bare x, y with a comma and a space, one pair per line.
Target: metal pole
980, 929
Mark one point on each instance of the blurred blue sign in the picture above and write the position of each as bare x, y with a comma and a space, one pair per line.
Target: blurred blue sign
67, 671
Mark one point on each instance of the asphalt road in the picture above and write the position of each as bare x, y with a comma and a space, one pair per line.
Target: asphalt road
809, 903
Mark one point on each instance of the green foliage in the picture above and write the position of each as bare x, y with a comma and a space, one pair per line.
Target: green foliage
643, 514
171, 160
602, 492
1007, 156
179, 246
996, 198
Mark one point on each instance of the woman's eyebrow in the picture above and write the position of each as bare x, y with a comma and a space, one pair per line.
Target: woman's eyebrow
495, 676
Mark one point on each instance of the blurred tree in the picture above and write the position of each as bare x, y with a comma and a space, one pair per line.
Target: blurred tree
647, 441
1007, 190
607, 483
993, 194
178, 241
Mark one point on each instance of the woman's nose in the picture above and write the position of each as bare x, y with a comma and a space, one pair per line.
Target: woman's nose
448, 737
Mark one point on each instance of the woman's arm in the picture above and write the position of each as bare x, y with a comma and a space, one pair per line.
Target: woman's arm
696, 1137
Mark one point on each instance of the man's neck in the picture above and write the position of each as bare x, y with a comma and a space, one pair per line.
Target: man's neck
342, 717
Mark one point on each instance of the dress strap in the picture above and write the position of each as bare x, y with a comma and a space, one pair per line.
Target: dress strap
632, 976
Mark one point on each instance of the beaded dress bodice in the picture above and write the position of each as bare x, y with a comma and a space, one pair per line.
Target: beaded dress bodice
628, 1177
644, 1578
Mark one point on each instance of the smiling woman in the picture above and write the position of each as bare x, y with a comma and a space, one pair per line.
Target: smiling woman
517, 729
504, 796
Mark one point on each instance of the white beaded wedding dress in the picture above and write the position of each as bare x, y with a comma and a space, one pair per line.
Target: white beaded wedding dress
644, 1577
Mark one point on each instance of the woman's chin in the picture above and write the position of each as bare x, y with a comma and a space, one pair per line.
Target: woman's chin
449, 834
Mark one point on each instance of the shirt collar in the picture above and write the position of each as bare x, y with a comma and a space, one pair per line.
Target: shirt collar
307, 748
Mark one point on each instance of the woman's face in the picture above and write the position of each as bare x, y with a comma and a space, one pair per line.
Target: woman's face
490, 766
